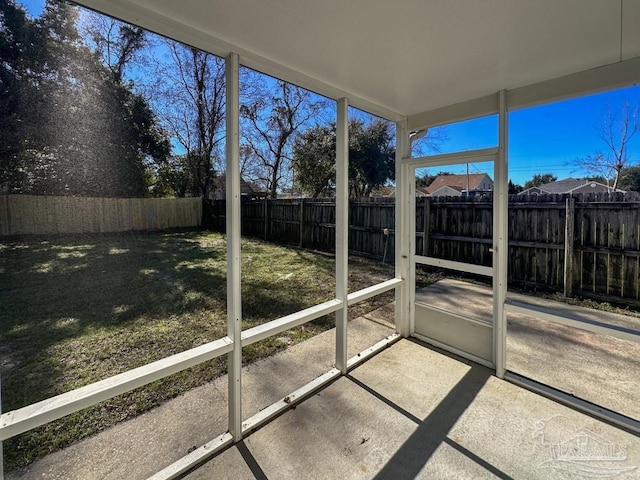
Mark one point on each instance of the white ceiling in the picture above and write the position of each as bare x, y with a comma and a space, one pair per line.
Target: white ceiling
407, 56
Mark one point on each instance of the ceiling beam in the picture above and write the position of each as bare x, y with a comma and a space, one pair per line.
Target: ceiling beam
478, 107
607, 77
595, 80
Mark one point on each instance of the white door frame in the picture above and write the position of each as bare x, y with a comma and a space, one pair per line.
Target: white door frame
478, 343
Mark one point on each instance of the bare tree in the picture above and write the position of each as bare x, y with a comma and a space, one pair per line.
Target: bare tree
118, 44
272, 120
190, 95
428, 141
616, 131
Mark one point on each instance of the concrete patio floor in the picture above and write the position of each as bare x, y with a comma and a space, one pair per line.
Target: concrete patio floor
411, 411
598, 368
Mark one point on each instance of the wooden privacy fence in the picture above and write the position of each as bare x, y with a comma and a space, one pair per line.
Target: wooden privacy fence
37, 215
603, 233
310, 223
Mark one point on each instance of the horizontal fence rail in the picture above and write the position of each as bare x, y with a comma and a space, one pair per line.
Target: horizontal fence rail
599, 234
42, 215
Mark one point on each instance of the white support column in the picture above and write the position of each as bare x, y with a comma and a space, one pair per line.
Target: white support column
234, 300
405, 193
342, 231
410, 174
500, 240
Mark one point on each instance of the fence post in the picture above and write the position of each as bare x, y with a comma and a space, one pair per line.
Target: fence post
265, 214
301, 206
568, 246
5, 224
427, 222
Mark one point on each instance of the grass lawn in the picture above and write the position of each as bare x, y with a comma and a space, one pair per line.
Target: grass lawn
77, 309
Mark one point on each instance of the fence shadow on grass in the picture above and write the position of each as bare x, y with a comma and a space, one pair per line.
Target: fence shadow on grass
78, 309
71, 300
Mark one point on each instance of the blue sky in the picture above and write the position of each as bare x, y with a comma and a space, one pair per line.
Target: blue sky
547, 138
34, 7
544, 139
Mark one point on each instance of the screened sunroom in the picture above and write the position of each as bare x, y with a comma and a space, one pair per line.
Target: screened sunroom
456, 380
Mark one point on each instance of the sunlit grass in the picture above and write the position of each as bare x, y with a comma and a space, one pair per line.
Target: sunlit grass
74, 310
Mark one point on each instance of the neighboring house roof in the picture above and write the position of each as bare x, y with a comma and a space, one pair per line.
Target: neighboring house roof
391, 192
532, 191
447, 191
458, 182
569, 185
594, 187
246, 188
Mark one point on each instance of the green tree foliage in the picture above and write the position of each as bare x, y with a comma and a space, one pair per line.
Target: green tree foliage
371, 158
314, 157
70, 126
540, 179
16, 34
630, 179
514, 188
176, 178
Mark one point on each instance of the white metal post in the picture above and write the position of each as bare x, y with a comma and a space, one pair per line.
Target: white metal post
500, 240
411, 245
402, 231
342, 231
234, 300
